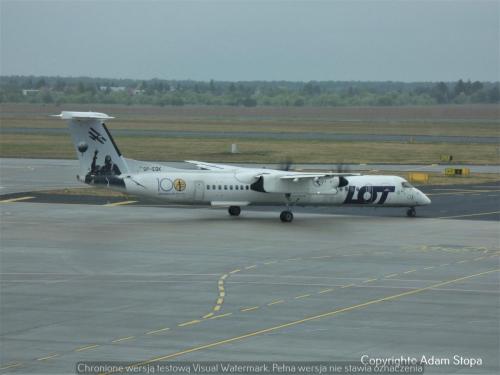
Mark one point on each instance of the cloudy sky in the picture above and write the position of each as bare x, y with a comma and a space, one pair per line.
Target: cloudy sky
252, 40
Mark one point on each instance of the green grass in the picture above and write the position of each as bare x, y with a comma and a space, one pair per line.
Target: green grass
445, 120
264, 150
471, 120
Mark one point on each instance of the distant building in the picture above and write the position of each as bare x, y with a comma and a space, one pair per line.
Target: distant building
113, 88
30, 92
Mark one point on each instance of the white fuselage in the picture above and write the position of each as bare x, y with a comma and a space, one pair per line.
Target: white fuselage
235, 188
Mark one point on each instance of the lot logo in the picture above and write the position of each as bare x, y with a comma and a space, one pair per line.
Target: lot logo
179, 184
368, 194
96, 136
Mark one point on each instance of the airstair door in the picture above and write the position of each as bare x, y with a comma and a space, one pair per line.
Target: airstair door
199, 190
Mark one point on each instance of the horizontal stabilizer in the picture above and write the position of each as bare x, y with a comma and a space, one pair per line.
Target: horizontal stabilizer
69, 115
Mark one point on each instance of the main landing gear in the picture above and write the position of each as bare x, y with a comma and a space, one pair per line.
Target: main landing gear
234, 210
286, 216
411, 212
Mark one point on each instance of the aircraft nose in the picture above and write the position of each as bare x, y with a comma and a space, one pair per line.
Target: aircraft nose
423, 199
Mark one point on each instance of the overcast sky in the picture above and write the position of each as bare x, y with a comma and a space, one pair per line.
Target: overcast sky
253, 40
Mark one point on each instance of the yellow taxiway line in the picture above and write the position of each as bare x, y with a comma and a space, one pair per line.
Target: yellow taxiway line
88, 347
122, 203
16, 199
123, 339
470, 215
157, 331
308, 319
47, 357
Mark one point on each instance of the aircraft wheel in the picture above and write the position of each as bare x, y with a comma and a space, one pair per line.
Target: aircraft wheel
234, 211
411, 212
286, 217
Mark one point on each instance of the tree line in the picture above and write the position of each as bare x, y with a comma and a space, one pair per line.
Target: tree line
59, 90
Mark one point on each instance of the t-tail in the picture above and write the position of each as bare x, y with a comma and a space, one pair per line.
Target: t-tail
101, 162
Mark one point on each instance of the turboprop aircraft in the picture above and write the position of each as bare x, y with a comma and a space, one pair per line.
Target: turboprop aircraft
219, 185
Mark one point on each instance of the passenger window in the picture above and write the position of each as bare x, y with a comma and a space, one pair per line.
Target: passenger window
246, 187
241, 187
230, 187
213, 187
236, 187
220, 187
208, 187
225, 187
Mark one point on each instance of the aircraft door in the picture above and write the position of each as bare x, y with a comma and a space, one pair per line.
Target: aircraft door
199, 190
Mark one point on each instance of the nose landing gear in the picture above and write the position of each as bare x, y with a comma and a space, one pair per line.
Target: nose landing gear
411, 212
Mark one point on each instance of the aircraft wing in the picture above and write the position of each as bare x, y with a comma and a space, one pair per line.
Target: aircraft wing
304, 176
212, 166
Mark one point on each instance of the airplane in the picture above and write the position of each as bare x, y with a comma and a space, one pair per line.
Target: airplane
228, 186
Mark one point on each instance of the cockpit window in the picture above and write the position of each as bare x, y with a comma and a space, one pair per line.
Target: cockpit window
406, 184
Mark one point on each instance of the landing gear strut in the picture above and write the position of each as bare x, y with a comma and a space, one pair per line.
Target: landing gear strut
286, 216
234, 210
411, 212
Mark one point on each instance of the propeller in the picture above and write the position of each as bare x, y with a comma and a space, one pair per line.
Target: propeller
285, 165
341, 168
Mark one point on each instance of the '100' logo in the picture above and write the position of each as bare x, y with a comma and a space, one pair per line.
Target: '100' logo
166, 185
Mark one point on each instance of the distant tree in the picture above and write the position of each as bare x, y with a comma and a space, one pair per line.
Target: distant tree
476, 86
40, 83
311, 89
461, 98
211, 86
494, 94
459, 88
60, 85
47, 97
441, 93
81, 87
299, 102
249, 102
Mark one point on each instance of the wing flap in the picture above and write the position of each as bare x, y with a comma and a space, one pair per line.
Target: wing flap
305, 176
228, 203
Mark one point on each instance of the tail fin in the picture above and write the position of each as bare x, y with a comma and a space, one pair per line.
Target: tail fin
100, 159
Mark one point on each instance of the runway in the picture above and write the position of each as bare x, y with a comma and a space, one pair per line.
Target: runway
139, 284
24, 175
26, 179
142, 283
271, 135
